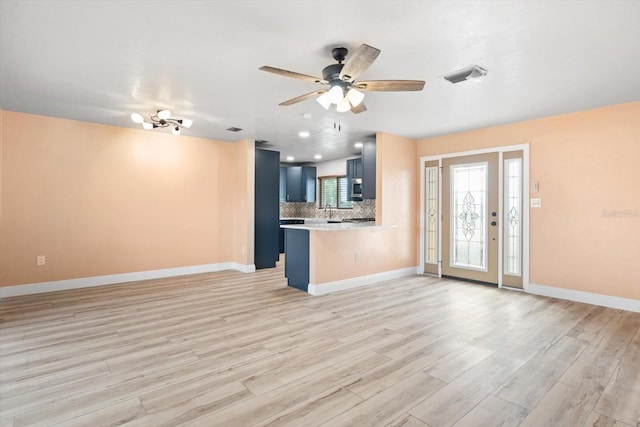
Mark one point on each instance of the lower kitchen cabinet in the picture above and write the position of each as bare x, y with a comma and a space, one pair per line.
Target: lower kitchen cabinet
281, 234
296, 262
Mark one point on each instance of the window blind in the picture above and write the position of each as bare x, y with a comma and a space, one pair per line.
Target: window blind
333, 192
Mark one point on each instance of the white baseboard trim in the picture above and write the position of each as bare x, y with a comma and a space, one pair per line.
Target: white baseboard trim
341, 285
112, 279
585, 297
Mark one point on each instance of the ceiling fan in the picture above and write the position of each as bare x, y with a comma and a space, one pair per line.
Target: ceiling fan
344, 91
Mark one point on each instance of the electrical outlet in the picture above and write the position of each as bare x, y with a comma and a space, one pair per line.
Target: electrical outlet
40, 260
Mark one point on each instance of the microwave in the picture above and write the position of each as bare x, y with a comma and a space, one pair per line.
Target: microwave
356, 187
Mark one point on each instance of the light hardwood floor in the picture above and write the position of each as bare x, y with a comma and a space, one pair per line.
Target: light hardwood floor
233, 349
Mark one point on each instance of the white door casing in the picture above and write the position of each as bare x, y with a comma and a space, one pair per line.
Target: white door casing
512, 218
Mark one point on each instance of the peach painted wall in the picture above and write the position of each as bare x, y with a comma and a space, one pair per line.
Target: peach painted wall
586, 236
370, 251
99, 200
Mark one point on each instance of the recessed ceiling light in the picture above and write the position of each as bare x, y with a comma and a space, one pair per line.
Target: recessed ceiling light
307, 115
317, 156
290, 158
358, 145
304, 134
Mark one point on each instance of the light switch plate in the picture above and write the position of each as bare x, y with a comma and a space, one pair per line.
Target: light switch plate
536, 203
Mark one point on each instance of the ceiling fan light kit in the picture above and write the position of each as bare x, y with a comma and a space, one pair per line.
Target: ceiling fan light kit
162, 119
336, 94
344, 91
324, 100
355, 97
343, 106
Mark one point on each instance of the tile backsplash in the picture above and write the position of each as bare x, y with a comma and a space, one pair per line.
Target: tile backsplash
364, 209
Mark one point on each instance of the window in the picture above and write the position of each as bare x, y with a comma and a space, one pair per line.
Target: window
333, 192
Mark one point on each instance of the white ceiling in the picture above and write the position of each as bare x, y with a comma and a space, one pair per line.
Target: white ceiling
99, 61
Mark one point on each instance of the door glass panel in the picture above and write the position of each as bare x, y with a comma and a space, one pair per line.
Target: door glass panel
512, 216
432, 216
468, 216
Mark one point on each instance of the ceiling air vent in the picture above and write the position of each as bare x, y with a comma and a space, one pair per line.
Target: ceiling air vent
471, 72
234, 129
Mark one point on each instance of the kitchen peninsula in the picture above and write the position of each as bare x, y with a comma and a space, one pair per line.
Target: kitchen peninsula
317, 254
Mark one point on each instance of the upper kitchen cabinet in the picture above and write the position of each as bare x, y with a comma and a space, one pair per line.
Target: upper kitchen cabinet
364, 169
283, 184
300, 184
369, 170
354, 171
309, 182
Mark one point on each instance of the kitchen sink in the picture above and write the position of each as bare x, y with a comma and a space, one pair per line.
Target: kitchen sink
359, 219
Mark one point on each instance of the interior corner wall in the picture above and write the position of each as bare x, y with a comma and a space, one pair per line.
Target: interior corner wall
243, 201
585, 237
100, 200
396, 194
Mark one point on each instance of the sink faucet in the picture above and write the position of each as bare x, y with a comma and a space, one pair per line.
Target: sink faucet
330, 211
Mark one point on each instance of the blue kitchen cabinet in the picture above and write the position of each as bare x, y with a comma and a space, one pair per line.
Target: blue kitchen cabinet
300, 184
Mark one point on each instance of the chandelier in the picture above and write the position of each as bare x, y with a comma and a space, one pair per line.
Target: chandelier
162, 119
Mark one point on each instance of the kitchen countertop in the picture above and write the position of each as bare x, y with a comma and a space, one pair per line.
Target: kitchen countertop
340, 226
316, 220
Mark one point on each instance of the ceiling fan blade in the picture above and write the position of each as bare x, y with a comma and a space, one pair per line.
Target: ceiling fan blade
292, 74
303, 97
390, 85
358, 62
361, 108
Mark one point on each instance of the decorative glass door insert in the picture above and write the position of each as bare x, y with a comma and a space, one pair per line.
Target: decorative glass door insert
432, 218
512, 218
469, 216
513, 214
